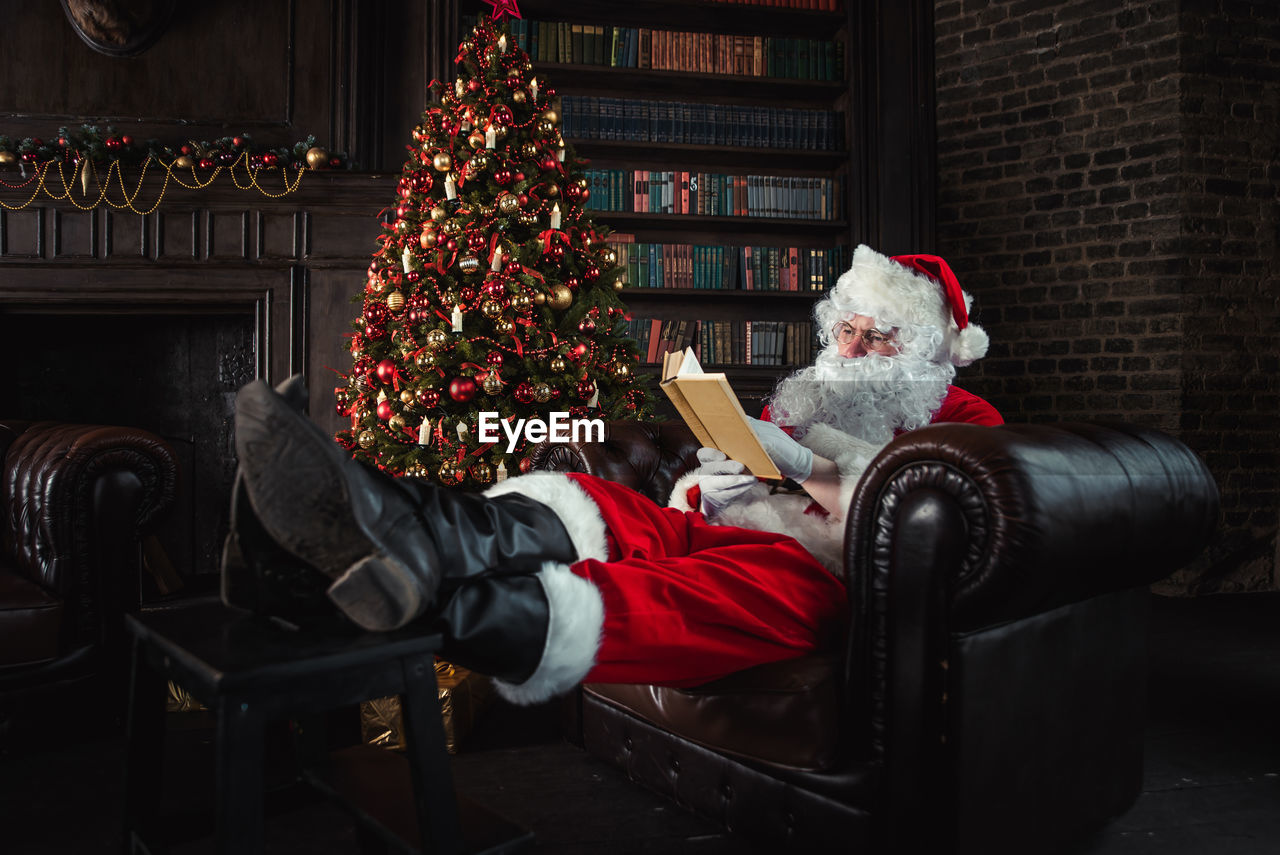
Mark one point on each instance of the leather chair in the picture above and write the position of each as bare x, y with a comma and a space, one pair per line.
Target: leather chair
989, 694
76, 500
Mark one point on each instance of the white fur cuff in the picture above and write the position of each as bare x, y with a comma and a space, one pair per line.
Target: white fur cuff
574, 626
579, 515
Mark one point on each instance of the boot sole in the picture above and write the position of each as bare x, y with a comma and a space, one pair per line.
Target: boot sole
297, 481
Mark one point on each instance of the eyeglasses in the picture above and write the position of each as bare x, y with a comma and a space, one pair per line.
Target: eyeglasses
872, 339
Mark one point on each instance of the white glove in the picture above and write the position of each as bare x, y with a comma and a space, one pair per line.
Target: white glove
721, 481
793, 460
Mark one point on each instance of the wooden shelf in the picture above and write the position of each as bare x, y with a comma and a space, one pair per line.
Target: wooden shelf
693, 17
720, 158
665, 85
684, 226
630, 294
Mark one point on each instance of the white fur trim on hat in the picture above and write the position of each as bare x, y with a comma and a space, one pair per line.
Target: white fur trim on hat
574, 624
577, 512
898, 296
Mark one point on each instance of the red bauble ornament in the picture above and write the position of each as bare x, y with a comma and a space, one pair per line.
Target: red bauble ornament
375, 313
583, 195
270, 159
525, 464
473, 85
466, 294
476, 240
375, 331
579, 352
451, 245
573, 192
502, 177
421, 181
591, 272
113, 143
501, 114
386, 370
586, 326
571, 282
548, 162
523, 394
555, 252
412, 276
494, 289
462, 389
519, 176
585, 389
494, 358
206, 163
128, 140
428, 397
384, 410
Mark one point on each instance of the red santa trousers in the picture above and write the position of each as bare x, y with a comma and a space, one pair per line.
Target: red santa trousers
686, 602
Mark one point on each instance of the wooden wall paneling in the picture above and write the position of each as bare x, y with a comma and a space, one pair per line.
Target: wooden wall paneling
227, 236
22, 233
177, 234
331, 312
127, 236
75, 234
279, 235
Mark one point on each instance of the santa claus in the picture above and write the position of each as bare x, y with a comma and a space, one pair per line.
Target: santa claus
550, 578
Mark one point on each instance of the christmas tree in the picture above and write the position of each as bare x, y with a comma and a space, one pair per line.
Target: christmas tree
491, 291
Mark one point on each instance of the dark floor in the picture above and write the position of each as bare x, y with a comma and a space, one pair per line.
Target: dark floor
1212, 771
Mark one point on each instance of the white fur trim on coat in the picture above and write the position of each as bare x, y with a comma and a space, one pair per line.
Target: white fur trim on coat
577, 512
574, 625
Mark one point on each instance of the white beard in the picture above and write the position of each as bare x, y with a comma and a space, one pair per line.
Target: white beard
869, 397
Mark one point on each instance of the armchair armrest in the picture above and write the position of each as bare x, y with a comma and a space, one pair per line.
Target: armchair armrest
76, 500
1048, 514
648, 457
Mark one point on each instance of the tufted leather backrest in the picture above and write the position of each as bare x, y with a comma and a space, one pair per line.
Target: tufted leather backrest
648, 457
49, 477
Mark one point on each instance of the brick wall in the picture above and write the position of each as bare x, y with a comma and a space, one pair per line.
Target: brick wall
1107, 174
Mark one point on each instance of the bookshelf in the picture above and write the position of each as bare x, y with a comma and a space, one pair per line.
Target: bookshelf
811, 75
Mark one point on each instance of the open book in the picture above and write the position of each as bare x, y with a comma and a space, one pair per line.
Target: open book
709, 407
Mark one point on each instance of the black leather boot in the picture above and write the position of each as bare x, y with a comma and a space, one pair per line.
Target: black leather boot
386, 544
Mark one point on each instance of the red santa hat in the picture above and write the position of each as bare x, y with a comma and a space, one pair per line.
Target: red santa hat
911, 291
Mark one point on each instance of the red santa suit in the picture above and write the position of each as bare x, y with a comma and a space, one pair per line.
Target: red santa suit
687, 600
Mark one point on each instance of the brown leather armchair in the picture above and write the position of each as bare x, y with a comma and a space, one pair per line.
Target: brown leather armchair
76, 500
989, 694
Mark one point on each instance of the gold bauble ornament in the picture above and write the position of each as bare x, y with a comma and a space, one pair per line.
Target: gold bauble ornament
438, 213
582, 182
402, 227
448, 472
541, 392
551, 115
527, 218
557, 364
317, 158
442, 162
518, 96
528, 150
482, 472
504, 326
521, 302
366, 439
609, 257
476, 140
560, 297
500, 132
407, 397
491, 308
508, 203
425, 360
437, 339
621, 372
480, 160
491, 384
428, 238
186, 161
552, 191
395, 301
618, 284
396, 423
452, 228
539, 299
544, 128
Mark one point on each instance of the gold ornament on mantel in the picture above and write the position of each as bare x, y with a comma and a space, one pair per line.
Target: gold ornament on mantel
317, 158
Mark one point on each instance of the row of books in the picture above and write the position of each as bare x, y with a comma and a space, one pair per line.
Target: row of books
726, 342
703, 53
744, 268
713, 194
815, 5
586, 117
